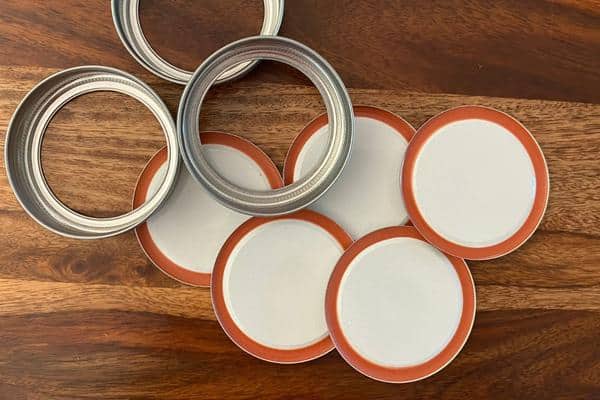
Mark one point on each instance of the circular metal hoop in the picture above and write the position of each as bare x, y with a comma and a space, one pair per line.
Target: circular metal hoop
339, 110
126, 18
24, 145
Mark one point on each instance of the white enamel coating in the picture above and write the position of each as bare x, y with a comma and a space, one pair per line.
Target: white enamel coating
275, 281
367, 196
400, 302
474, 183
192, 226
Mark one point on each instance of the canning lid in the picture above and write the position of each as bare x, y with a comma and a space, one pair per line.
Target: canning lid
475, 182
269, 282
398, 309
23, 148
126, 18
367, 195
339, 109
184, 237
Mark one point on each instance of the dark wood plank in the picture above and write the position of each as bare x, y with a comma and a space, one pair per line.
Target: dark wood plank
510, 48
114, 355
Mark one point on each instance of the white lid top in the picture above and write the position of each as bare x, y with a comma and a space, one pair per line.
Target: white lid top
367, 195
184, 237
269, 285
398, 309
475, 182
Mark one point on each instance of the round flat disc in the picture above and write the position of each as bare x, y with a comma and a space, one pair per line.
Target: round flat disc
398, 309
367, 195
184, 237
269, 281
475, 182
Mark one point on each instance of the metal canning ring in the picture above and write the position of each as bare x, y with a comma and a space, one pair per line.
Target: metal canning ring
126, 18
339, 110
23, 146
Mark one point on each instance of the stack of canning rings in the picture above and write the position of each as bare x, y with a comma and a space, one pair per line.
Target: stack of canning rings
288, 283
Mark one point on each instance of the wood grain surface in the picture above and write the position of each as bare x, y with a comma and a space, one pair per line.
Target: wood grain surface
94, 319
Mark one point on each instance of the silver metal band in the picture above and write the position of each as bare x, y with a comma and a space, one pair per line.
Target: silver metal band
127, 23
23, 148
339, 109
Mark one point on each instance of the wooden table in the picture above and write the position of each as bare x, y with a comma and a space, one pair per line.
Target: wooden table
94, 319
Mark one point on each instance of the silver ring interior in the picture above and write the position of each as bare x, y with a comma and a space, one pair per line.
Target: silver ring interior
126, 18
341, 127
24, 145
